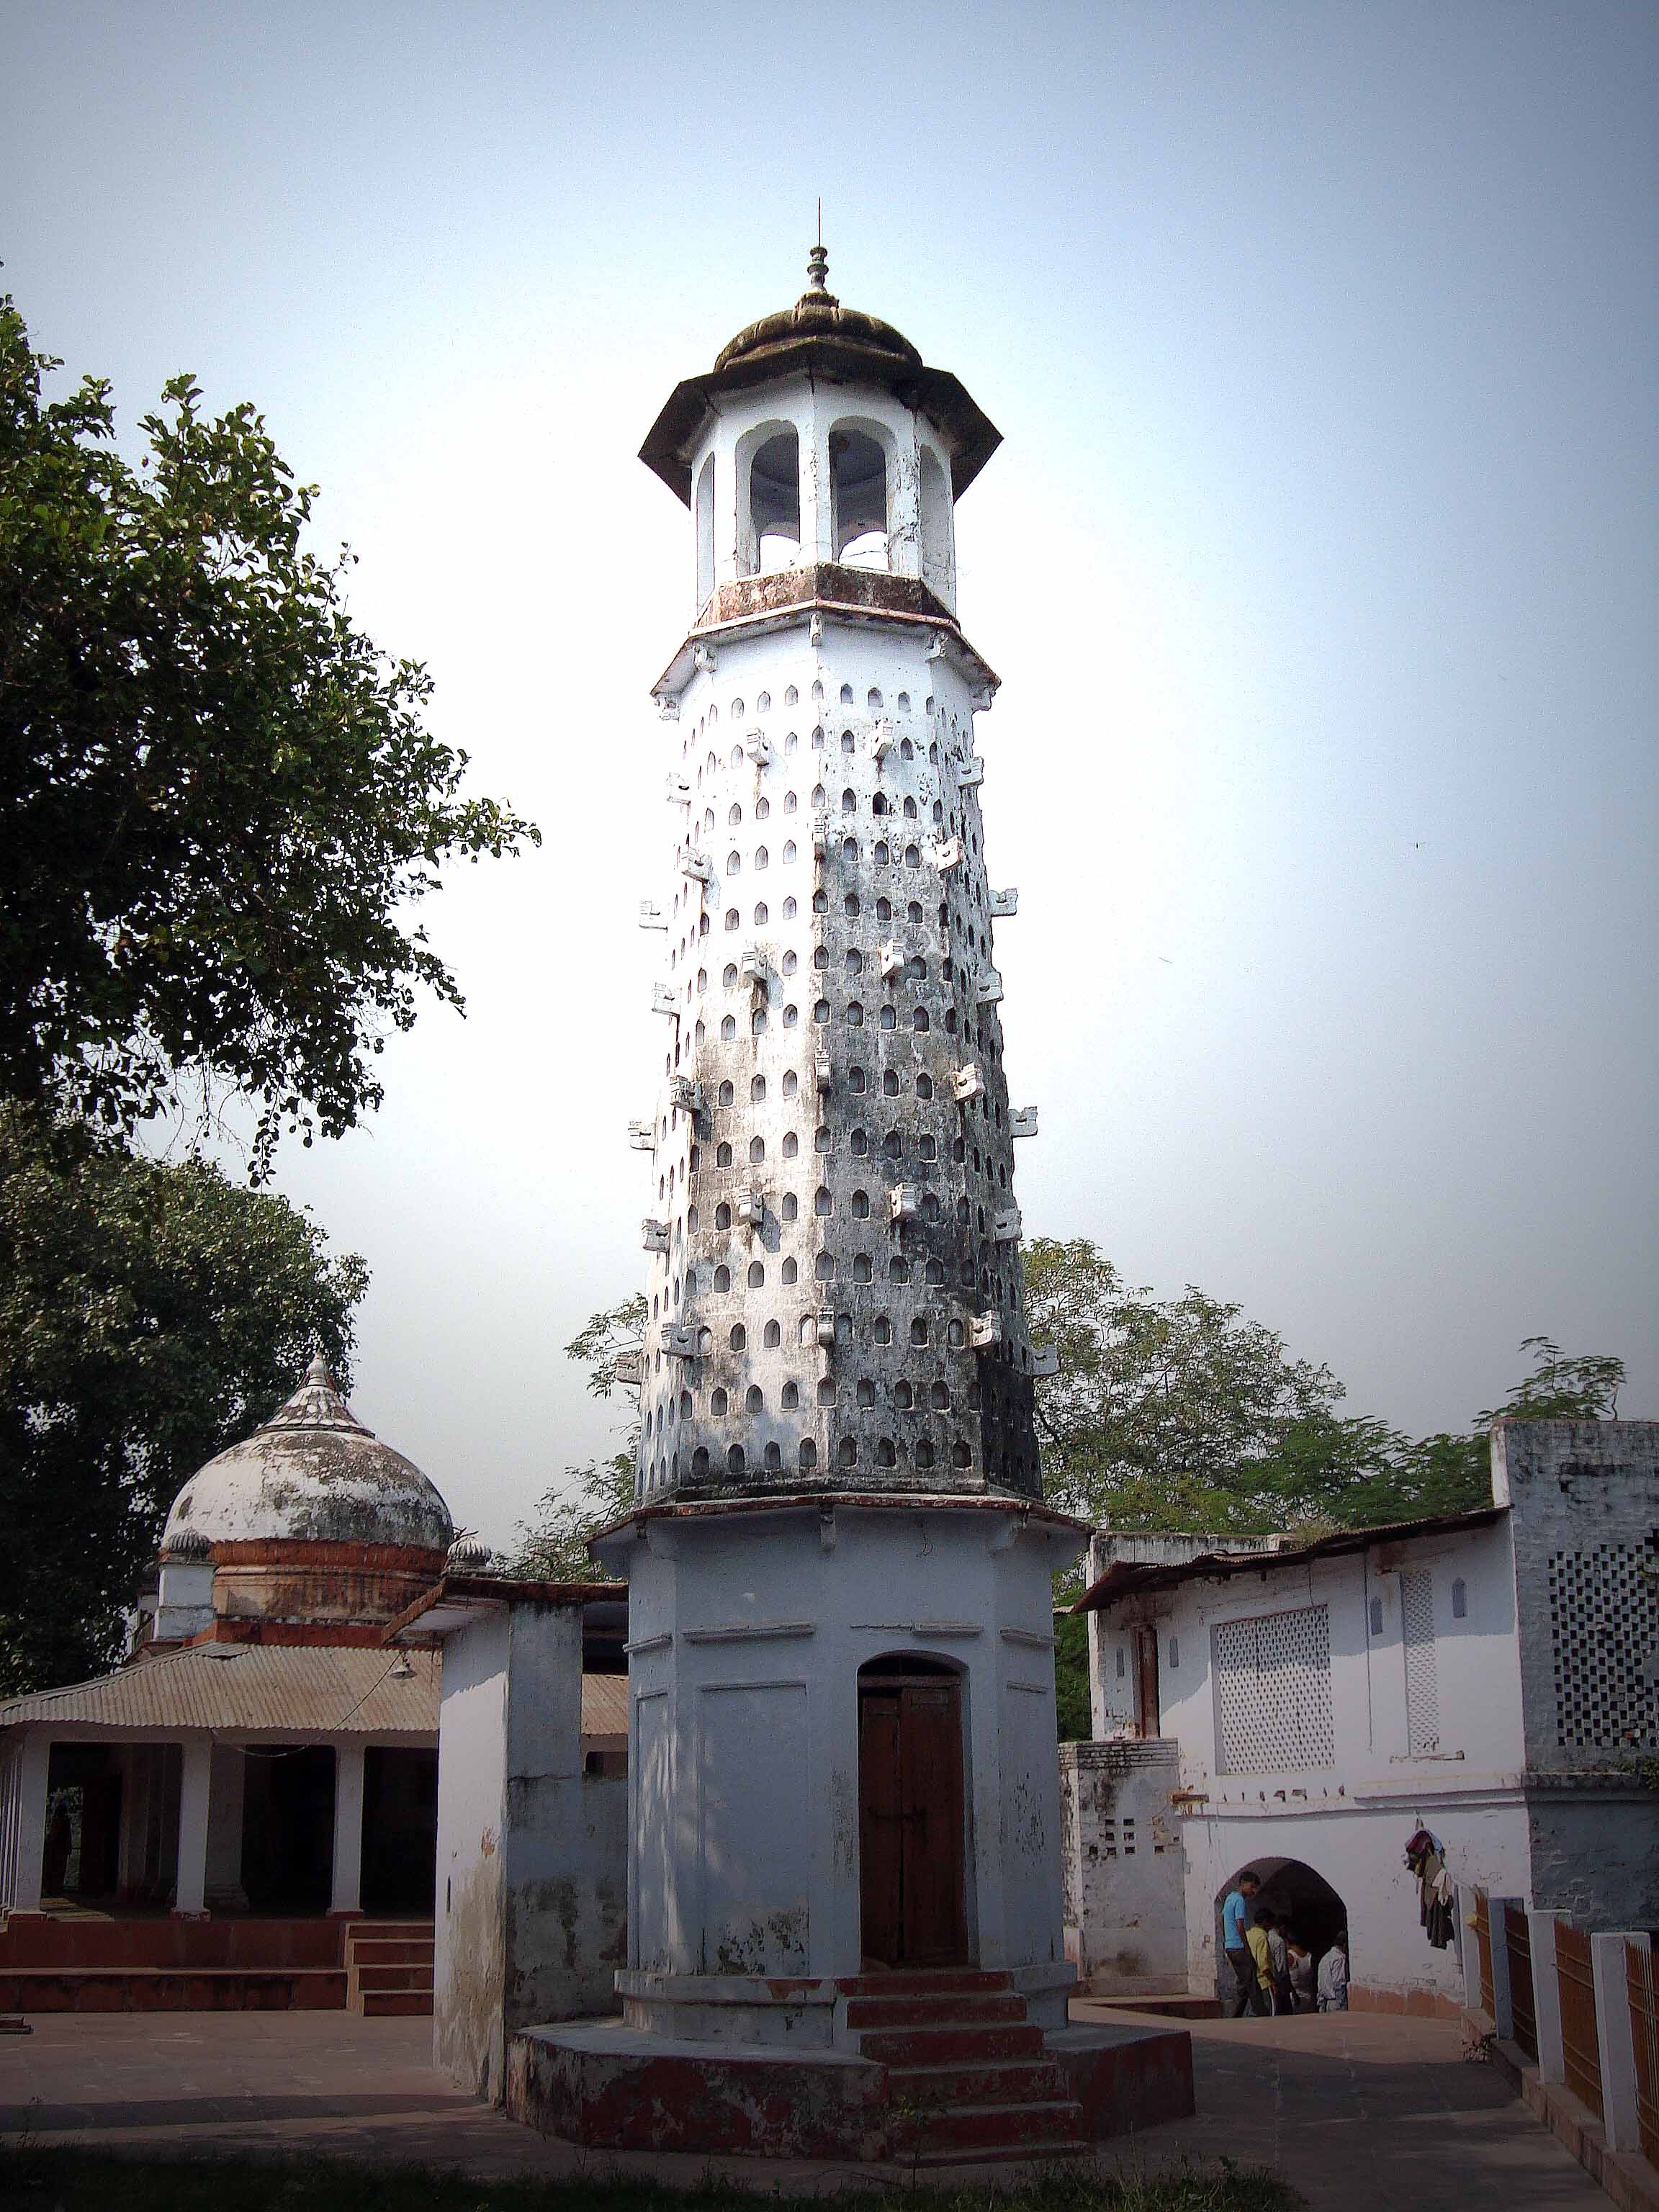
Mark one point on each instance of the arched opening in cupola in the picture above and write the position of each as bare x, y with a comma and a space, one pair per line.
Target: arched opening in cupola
769, 536
858, 480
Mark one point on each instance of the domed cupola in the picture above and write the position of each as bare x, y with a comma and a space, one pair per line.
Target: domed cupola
312, 1517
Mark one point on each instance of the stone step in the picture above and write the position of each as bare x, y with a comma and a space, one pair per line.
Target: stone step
173, 1989
1169, 2008
1004, 2154
948, 2046
382, 2004
959, 2127
994, 2010
379, 1978
358, 1931
1009, 2081
944, 1981
391, 1951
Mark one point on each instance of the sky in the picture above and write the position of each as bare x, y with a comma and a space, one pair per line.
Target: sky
1319, 566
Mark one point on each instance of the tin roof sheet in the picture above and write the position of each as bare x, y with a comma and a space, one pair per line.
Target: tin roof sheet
1124, 1577
307, 1689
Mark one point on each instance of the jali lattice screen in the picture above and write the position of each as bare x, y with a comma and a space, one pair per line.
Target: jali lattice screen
1273, 1682
1604, 1634
1422, 1676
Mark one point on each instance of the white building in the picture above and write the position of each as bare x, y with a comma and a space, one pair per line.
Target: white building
1303, 1710
244, 1812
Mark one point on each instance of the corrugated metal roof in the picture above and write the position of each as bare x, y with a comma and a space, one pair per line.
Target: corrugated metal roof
310, 1689
604, 1705
1124, 1577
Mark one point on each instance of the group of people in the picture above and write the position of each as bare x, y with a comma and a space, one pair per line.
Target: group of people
1274, 1969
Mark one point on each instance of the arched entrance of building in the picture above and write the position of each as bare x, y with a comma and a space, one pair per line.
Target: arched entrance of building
1298, 1895
912, 1828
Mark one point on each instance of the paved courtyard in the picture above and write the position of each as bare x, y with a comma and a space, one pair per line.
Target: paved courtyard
1359, 2111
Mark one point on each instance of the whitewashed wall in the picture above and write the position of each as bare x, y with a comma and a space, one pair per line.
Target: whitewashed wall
531, 1852
747, 1633
1124, 1863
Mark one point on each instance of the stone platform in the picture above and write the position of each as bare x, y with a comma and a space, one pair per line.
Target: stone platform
934, 2069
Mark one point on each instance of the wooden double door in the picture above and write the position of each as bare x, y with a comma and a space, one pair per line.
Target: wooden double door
911, 1822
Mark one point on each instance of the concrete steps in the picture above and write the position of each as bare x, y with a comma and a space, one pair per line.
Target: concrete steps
172, 1988
388, 1966
967, 2077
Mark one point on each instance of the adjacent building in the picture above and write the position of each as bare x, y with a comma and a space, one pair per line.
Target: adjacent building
1305, 1709
230, 1816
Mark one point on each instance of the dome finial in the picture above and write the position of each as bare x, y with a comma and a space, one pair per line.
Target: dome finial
817, 260
319, 1374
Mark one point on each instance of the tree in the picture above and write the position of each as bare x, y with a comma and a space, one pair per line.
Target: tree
217, 797
553, 1544
1562, 1388
1181, 1414
1165, 1414
149, 1316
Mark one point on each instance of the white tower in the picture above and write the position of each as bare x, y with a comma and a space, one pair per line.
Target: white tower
841, 1670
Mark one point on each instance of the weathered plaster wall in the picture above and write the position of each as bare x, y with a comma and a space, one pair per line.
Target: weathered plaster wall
1583, 1498
747, 1636
469, 1955
1596, 1853
1479, 1738
1359, 1853
1123, 1863
532, 1853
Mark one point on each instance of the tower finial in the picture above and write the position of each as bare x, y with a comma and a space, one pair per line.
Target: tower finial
818, 260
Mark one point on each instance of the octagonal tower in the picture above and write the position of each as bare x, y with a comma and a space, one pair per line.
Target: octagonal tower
835, 1286
841, 1637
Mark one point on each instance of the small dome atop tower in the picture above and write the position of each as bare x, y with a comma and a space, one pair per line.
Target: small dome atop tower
840, 346
313, 1473
819, 313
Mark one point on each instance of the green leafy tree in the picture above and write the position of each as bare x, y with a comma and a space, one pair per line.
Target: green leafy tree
1561, 1388
217, 798
150, 1315
1165, 1413
1180, 1414
1073, 1721
553, 1544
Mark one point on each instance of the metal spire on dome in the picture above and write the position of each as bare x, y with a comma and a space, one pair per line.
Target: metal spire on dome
817, 261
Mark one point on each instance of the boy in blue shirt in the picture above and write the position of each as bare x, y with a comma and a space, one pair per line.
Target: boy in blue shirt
1235, 1937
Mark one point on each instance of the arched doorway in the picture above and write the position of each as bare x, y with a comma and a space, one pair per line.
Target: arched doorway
1300, 1897
911, 1816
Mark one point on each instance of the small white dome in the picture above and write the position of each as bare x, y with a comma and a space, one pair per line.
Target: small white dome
313, 1473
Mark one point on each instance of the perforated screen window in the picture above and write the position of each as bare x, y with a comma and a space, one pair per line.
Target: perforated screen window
1272, 1684
1604, 1634
1422, 1677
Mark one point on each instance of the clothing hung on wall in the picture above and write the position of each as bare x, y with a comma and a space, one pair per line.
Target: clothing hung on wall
1436, 1902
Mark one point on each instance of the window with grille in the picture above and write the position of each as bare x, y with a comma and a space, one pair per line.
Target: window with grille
1273, 1681
1422, 1680
1604, 1635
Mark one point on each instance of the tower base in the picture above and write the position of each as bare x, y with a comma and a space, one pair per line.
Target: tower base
940, 2069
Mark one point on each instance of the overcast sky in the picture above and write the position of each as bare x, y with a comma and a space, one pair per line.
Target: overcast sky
1319, 566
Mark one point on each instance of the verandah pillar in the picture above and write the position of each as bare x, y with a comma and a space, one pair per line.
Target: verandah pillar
346, 1897
25, 1813
195, 1792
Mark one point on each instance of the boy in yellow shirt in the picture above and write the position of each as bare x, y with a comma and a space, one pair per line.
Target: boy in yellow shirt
1257, 1937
